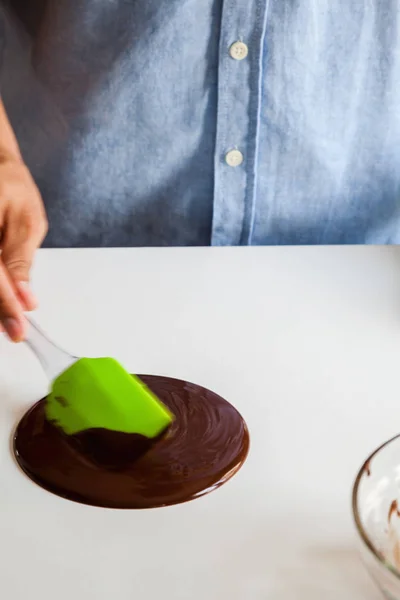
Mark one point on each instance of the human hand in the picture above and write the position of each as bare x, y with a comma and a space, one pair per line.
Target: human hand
23, 226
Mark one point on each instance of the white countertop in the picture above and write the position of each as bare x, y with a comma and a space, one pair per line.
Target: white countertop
305, 342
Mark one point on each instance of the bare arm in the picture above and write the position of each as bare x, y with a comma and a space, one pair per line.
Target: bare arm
8, 140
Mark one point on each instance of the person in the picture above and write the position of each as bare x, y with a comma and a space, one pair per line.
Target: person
188, 122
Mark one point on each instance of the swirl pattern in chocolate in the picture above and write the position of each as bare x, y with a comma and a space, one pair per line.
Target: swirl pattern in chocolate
205, 446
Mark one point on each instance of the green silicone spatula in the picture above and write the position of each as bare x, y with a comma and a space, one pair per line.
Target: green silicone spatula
93, 393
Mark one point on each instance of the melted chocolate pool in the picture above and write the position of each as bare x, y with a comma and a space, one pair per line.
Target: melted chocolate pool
205, 446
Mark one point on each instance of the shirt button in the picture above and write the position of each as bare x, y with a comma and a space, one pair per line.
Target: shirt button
234, 158
238, 51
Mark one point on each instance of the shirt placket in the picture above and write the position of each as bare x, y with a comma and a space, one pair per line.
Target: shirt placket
239, 98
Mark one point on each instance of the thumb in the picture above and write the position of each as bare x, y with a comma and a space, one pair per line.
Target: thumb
22, 235
18, 262
17, 259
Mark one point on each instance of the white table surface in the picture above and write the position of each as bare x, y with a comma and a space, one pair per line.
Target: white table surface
305, 342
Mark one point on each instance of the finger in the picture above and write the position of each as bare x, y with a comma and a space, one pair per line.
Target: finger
11, 313
26, 296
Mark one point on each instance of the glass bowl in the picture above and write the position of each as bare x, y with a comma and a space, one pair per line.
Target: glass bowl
376, 510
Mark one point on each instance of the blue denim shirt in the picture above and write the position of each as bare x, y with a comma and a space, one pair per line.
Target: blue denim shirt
143, 125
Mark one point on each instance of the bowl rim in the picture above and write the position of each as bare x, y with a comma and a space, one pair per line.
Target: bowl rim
356, 516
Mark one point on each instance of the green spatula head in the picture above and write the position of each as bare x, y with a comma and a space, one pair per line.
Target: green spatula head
99, 393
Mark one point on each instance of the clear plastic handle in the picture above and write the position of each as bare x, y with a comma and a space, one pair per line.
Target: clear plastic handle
53, 360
